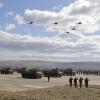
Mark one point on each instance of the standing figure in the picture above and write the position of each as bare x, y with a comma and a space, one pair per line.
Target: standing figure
70, 81
86, 82
48, 77
80, 81
75, 82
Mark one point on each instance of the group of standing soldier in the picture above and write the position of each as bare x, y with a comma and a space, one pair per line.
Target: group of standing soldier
75, 80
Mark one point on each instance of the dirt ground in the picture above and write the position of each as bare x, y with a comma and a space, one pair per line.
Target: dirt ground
54, 93
15, 83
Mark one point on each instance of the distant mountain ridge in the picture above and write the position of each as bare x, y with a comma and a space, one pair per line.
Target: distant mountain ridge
50, 64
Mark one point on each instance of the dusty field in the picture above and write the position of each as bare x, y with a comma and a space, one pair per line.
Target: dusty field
13, 87
54, 93
15, 83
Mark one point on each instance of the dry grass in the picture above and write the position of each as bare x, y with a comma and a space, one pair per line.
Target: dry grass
54, 93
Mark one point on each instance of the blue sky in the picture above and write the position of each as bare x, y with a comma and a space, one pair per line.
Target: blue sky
18, 7
45, 40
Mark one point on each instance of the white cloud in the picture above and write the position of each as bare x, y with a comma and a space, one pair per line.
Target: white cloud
19, 19
72, 23
83, 11
7, 27
10, 13
47, 47
57, 8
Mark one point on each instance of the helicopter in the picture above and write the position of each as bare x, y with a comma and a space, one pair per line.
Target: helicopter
55, 23
31, 22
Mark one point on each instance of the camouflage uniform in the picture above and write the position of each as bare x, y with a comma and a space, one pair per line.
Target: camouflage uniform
86, 82
75, 82
80, 81
70, 81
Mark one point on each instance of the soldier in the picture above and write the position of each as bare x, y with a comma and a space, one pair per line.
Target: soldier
75, 82
48, 77
80, 81
70, 81
86, 82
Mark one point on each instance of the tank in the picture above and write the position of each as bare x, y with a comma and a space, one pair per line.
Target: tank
69, 72
6, 71
53, 73
32, 74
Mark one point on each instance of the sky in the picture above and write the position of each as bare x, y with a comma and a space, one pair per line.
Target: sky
52, 30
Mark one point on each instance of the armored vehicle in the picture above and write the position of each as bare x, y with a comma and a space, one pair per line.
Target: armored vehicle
53, 73
6, 71
69, 72
32, 74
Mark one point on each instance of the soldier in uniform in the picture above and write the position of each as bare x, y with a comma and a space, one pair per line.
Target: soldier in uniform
70, 81
86, 82
48, 76
75, 82
80, 81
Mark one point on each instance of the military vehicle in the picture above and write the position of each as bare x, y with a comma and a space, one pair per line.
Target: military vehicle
6, 71
20, 70
53, 73
69, 72
32, 74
